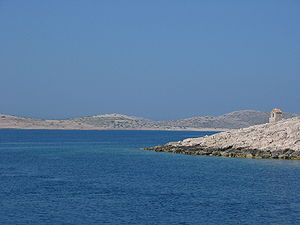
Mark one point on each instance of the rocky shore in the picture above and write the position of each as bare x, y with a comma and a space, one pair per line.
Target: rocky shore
280, 140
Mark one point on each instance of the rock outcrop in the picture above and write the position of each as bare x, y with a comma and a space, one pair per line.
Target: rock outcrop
280, 140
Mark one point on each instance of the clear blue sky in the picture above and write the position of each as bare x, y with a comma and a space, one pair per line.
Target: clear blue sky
156, 59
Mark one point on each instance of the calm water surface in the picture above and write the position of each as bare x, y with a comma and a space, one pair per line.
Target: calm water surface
100, 177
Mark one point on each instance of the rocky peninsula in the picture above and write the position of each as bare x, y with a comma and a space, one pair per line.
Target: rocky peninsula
278, 140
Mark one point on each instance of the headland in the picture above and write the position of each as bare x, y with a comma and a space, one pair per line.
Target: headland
277, 140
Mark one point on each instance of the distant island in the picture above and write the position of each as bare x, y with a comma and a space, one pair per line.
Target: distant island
233, 120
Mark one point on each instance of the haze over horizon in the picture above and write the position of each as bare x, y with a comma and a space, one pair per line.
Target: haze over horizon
153, 59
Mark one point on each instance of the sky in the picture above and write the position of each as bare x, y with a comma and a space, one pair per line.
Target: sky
157, 59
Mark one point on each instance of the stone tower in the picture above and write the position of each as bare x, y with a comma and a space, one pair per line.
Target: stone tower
275, 115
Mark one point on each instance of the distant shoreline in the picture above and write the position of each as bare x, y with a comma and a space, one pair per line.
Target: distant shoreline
226, 122
139, 129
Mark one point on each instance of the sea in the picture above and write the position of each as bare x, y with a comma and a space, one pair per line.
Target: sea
102, 177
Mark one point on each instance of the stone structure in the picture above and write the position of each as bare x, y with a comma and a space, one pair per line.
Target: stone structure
276, 115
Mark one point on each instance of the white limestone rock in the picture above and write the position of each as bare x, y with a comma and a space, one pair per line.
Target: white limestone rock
281, 135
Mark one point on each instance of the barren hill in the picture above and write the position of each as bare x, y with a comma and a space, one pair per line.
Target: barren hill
116, 121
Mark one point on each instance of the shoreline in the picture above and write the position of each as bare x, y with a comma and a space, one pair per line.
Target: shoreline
286, 154
137, 129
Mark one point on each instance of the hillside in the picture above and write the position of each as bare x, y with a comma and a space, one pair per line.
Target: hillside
116, 121
232, 120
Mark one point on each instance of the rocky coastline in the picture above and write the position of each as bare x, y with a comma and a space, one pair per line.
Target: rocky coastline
229, 152
280, 140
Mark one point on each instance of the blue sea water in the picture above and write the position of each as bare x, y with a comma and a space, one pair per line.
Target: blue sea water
101, 177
